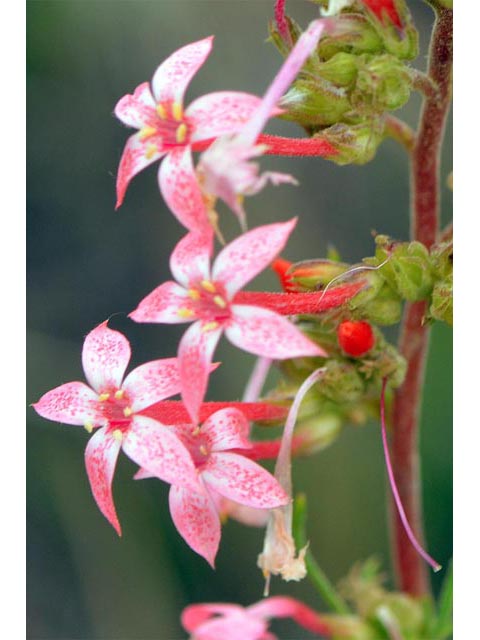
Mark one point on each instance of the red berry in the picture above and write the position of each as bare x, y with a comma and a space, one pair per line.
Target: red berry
356, 338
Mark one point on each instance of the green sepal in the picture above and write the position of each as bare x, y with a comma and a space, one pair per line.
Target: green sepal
383, 84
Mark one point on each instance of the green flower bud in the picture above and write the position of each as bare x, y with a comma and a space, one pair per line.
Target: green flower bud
385, 309
408, 269
442, 259
341, 382
383, 84
341, 70
353, 33
442, 301
401, 39
315, 102
404, 610
350, 627
318, 433
356, 144
311, 275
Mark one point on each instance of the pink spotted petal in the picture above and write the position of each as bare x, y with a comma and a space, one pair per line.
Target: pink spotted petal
197, 521
137, 154
266, 333
220, 113
190, 260
243, 481
71, 403
195, 354
227, 429
100, 459
163, 304
105, 356
157, 449
137, 110
248, 516
152, 382
248, 255
180, 189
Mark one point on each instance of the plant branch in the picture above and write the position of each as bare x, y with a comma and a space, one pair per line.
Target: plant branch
400, 131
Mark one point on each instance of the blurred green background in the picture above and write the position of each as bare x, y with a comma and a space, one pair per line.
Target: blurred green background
87, 263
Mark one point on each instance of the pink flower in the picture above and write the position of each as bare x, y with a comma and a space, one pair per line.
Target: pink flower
220, 471
207, 296
165, 129
114, 407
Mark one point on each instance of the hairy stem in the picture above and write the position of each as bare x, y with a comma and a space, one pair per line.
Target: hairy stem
411, 571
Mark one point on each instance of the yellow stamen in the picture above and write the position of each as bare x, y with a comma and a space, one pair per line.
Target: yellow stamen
103, 396
119, 394
181, 133
196, 431
203, 450
177, 111
193, 294
150, 151
127, 412
161, 111
208, 286
118, 435
210, 326
146, 132
185, 313
88, 427
220, 302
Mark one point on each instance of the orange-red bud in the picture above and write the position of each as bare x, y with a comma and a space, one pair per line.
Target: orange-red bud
356, 338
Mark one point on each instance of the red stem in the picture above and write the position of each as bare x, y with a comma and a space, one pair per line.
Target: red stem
411, 571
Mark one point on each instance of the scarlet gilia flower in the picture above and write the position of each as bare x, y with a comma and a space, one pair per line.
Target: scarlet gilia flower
166, 129
220, 472
355, 337
113, 407
207, 296
219, 621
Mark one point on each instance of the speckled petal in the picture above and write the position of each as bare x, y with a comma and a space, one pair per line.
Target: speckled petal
266, 333
227, 429
152, 382
100, 459
163, 304
248, 255
190, 260
137, 154
220, 113
71, 403
174, 74
138, 109
243, 481
197, 521
180, 189
157, 449
195, 354
105, 356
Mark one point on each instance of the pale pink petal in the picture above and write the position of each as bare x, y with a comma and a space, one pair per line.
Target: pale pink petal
243, 481
157, 449
190, 260
105, 356
196, 614
266, 333
152, 382
195, 354
143, 474
71, 403
226, 429
249, 254
137, 110
197, 521
234, 626
219, 113
163, 305
174, 74
100, 459
137, 154
180, 189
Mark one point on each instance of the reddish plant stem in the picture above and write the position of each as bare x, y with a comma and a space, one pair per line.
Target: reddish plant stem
411, 571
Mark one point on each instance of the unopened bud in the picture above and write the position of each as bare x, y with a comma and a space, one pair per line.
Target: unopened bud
342, 382
355, 144
442, 301
352, 33
355, 337
383, 84
317, 433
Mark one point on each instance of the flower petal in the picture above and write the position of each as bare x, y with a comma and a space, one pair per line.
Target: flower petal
243, 481
157, 449
174, 74
196, 614
190, 259
137, 110
152, 382
195, 354
100, 459
266, 333
227, 429
180, 189
219, 113
163, 305
71, 403
197, 521
105, 356
245, 257
137, 154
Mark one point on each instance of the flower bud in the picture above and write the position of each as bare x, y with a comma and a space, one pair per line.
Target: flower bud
357, 143
442, 301
317, 433
355, 338
383, 84
385, 309
352, 33
342, 382
313, 275
394, 25
315, 102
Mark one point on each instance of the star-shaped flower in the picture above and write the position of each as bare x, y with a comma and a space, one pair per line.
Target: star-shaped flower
114, 407
165, 129
221, 471
208, 296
